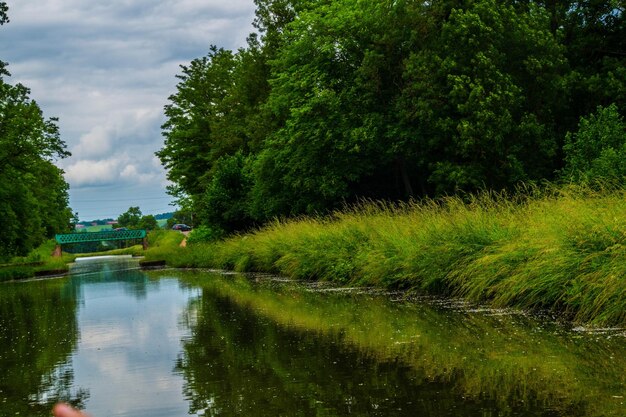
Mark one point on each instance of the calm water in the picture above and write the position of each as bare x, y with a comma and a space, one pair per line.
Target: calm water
121, 342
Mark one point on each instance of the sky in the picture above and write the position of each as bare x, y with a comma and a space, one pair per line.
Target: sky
106, 69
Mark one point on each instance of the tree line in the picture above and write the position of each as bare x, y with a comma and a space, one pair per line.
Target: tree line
333, 101
33, 193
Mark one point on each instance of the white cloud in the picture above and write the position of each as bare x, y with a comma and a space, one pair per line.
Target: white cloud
106, 70
129, 356
117, 169
93, 144
93, 172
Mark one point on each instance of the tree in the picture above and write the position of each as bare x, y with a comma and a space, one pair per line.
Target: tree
598, 149
33, 193
272, 18
194, 109
130, 218
214, 114
333, 82
335, 101
183, 216
479, 98
148, 222
594, 35
225, 203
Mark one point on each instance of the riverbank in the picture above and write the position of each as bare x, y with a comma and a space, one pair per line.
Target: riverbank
39, 262
561, 251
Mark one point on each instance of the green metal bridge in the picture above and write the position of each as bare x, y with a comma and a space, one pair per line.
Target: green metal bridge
68, 238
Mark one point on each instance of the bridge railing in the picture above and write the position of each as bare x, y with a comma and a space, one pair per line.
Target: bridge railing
67, 238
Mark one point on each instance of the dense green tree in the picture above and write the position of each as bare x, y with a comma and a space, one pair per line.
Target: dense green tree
597, 150
333, 85
134, 219
225, 203
189, 150
273, 16
148, 222
130, 218
478, 100
33, 193
334, 101
214, 115
594, 35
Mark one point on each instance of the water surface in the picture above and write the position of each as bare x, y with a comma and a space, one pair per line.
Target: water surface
118, 341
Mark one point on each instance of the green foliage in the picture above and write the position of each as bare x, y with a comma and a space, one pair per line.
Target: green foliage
33, 193
560, 250
224, 204
184, 216
332, 84
597, 151
191, 118
336, 101
479, 97
148, 222
130, 218
214, 116
38, 262
595, 35
204, 234
133, 219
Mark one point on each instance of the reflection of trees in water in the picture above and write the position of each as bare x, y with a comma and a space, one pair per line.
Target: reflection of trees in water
240, 363
38, 332
237, 363
124, 271
282, 350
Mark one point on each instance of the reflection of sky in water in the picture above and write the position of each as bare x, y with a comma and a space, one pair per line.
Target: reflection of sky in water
128, 346
260, 349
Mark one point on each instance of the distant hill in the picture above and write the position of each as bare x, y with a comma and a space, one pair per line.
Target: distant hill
104, 224
99, 222
164, 216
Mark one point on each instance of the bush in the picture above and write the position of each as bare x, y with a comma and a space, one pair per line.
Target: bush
205, 234
597, 151
224, 204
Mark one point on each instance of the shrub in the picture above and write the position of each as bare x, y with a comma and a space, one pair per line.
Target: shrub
597, 151
205, 234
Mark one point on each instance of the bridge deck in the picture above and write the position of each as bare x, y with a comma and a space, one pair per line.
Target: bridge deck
99, 236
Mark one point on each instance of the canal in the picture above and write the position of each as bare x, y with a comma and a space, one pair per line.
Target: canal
118, 341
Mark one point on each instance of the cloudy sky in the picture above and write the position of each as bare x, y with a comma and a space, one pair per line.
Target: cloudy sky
105, 69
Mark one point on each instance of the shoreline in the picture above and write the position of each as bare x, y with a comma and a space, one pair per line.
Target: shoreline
564, 253
561, 252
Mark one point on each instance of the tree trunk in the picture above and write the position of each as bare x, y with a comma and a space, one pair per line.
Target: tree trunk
406, 181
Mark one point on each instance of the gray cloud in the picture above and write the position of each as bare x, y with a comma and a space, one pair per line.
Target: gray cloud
106, 70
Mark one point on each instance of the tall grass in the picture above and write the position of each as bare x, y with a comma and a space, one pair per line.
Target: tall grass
561, 250
38, 262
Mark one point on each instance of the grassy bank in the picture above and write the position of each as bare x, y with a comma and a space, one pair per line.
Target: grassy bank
39, 262
157, 241
563, 251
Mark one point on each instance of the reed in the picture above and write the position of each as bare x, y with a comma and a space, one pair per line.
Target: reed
561, 250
